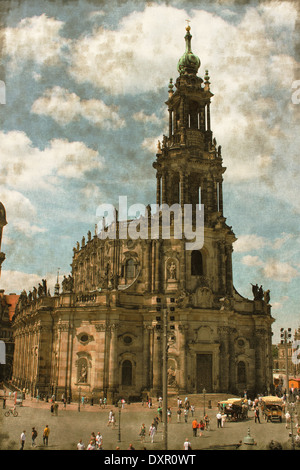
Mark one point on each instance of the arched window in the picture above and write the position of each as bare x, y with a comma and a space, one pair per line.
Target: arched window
241, 372
196, 263
130, 269
127, 373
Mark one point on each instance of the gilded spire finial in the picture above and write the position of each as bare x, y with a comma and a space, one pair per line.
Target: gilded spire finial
188, 28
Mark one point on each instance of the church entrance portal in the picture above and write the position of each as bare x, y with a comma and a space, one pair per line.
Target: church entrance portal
204, 372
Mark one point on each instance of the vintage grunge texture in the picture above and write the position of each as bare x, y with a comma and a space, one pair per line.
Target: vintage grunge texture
85, 84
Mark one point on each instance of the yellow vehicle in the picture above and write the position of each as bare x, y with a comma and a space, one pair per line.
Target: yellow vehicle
272, 408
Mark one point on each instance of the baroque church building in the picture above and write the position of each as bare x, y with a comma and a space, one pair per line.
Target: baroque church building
102, 333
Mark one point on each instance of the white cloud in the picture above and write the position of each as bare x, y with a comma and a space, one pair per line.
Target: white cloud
279, 271
249, 260
141, 116
279, 304
131, 57
249, 243
19, 211
22, 165
35, 39
16, 281
65, 107
254, 242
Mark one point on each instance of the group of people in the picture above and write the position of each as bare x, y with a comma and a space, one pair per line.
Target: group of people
34, 435
95, 442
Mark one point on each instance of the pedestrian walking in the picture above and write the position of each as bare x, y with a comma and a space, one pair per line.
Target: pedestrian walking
219, 420
33, 437
110, 414
46, 435
22, 440
256, 415
80, 445
99, 441
201, 427
187, 445
206, 421
223, 419
113, 420
143, 432
169, 414
152, 431
178, 415
186, 412
91, 445
192, 410
287, 419
195, 427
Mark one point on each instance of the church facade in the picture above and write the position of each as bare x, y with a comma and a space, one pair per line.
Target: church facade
102, 334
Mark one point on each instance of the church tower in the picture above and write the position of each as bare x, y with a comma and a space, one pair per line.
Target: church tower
189, 170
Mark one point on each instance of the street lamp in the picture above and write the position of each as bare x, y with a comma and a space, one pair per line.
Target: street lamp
165, 378
79, 398
204, 392
120, 407
286, 339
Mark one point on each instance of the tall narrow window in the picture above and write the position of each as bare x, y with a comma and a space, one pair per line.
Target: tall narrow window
218, 196
127, 373
241, 372
196, 263
130, 269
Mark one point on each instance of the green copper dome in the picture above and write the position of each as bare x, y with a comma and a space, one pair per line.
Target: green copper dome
189, 62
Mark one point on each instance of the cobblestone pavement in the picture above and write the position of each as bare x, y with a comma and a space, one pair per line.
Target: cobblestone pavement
70, 425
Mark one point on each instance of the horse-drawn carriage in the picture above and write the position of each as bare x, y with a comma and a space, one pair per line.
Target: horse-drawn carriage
234, 408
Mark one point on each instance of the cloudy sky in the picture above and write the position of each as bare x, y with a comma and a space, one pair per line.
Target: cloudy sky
85, 87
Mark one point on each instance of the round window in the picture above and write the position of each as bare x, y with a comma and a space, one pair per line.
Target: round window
84, 338
241, 342
127, 339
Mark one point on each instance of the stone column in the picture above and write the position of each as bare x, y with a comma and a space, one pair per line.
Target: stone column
229, 284
224, 359
181, 374
158, 192
208, 117
157, 362
220, 197
182, 189
113, 362
147, 328
157, 266
170, 123
99, 382
164, 189
63, 340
